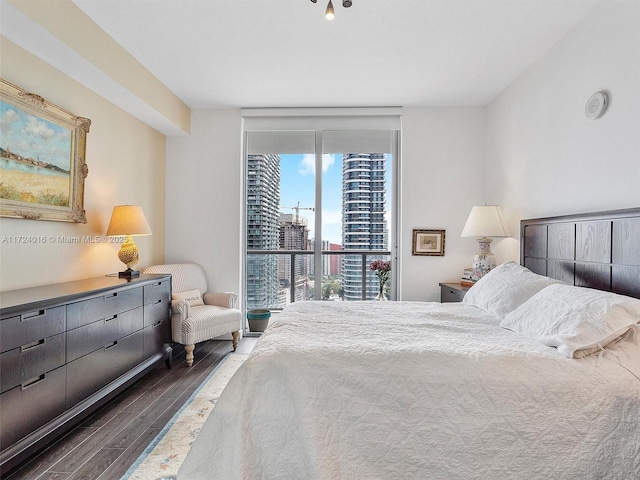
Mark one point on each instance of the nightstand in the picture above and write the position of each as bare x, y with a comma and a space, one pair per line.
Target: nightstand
452, 292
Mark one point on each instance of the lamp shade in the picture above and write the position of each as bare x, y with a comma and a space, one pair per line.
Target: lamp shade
485, 221
128, 220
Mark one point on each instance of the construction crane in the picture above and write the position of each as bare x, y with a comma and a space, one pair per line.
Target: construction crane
297, 208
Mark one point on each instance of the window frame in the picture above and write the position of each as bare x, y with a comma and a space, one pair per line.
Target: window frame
321, 121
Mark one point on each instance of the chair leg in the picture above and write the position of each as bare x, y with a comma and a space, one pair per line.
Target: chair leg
189, 350
235, 336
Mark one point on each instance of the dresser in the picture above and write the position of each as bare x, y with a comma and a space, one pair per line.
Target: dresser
67, 348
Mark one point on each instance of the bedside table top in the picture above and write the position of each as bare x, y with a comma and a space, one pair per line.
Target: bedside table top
455, 286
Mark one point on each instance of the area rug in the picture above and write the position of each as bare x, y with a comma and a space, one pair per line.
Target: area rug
164, 455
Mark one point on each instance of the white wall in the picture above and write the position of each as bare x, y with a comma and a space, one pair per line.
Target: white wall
544, 156
203, 194
532, 151
441, 163
442, 178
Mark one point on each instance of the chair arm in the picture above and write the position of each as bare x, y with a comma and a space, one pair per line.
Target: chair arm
226, 299
181, 307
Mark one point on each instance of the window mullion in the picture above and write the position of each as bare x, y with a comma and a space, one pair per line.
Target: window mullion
317, 257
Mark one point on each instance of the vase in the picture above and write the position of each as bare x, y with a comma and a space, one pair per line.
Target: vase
381, 296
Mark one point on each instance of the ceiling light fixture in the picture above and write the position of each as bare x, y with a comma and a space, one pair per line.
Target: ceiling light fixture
330, 13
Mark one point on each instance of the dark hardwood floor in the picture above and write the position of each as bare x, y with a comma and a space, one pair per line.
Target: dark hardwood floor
106, 444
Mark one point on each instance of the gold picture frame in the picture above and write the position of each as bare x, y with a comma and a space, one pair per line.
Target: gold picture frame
42, 158
428, 242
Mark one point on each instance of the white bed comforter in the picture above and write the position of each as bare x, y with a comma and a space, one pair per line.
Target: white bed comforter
408, 390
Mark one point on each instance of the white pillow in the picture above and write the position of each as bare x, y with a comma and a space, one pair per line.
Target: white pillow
574, 319
505, 288
192, 297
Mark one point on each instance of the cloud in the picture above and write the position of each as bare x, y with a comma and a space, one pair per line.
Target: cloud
308, 163
9, 117
327, 162
38, 129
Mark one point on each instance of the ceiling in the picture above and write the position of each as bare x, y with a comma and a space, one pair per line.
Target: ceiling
258, 53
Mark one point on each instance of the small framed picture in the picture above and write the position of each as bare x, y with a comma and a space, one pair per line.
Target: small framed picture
428, 242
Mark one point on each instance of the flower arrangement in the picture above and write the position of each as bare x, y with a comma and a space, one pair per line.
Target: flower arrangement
383, 271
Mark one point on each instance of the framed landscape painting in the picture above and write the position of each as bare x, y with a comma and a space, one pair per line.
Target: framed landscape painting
42, 158
428, 242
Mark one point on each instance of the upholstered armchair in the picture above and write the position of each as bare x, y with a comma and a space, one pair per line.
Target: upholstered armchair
197, 314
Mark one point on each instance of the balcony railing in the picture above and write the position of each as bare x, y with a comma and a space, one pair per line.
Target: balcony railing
294, 269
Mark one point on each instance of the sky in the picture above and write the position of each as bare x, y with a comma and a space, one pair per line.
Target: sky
34, 137
297, 184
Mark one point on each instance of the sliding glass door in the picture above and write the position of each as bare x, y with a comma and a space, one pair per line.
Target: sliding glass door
319, 211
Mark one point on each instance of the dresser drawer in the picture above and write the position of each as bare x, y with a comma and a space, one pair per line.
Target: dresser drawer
102, 333
157, 291
157, 312
90, 373
105, 306
155, 336
452, 292
31, 404
31, 360
31, 327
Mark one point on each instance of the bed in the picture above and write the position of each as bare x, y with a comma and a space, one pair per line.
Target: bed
535, 375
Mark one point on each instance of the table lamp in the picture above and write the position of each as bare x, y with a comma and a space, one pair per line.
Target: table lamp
484, 221
127, 221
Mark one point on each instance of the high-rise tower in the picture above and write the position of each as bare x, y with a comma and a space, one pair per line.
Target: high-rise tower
263, 203
363, 218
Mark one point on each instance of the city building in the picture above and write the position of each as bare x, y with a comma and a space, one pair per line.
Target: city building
294, 235
263, 230
363, 219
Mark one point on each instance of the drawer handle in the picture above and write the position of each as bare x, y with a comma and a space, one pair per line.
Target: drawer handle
111, 346
30, 315
31, 345
33, 381
110, 296
157, 302
157, 324
115, 317
159, 284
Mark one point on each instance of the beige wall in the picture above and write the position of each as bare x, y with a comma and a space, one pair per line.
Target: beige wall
126, 166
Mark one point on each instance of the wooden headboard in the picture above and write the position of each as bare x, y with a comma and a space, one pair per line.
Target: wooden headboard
597, 250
